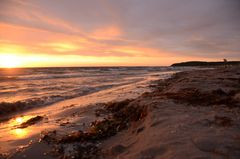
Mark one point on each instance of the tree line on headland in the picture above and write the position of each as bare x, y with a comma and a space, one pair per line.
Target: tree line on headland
204, 63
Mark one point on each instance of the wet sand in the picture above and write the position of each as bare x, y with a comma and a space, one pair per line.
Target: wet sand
194, 114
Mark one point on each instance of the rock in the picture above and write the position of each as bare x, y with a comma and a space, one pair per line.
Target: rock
31, 121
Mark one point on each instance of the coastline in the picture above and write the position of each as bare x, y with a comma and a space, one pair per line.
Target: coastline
65, 116
194, 114
27, 89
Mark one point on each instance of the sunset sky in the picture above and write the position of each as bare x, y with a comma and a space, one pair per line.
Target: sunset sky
40, 33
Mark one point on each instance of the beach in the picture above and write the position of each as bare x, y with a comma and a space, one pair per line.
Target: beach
192, 114
60, 98
119, 79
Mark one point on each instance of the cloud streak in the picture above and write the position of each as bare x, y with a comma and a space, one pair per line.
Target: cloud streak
188, 29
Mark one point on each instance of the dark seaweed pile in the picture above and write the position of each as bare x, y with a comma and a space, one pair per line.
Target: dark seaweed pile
118, 116
195, 97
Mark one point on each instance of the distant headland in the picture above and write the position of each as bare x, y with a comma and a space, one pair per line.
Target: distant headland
204, 63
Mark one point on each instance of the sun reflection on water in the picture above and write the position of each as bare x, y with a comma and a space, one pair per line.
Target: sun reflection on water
20, 133
19, 120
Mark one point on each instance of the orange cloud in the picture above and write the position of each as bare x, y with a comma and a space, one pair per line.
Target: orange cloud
108, 32
27, 14
40, 41
45, 48
62, 46
140, 51
35, 47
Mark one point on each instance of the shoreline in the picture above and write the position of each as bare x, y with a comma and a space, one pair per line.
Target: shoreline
194, 114
62, 116
10, 106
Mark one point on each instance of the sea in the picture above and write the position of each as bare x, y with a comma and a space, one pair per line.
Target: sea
35, 87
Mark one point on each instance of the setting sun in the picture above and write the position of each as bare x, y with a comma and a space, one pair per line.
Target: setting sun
9, 61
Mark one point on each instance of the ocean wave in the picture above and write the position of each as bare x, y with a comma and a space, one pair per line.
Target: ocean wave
56, 73
6, 107
48, 98
28, 94
8, 78
11, 107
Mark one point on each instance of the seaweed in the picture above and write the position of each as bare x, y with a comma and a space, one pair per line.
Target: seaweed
222, 121
120, 116
193, 96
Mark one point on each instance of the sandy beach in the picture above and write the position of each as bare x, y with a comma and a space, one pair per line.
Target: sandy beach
193, 114
119, 79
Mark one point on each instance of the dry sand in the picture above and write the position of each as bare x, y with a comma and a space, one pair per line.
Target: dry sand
194, 114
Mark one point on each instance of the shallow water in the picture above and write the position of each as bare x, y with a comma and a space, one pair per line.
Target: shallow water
33, 87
